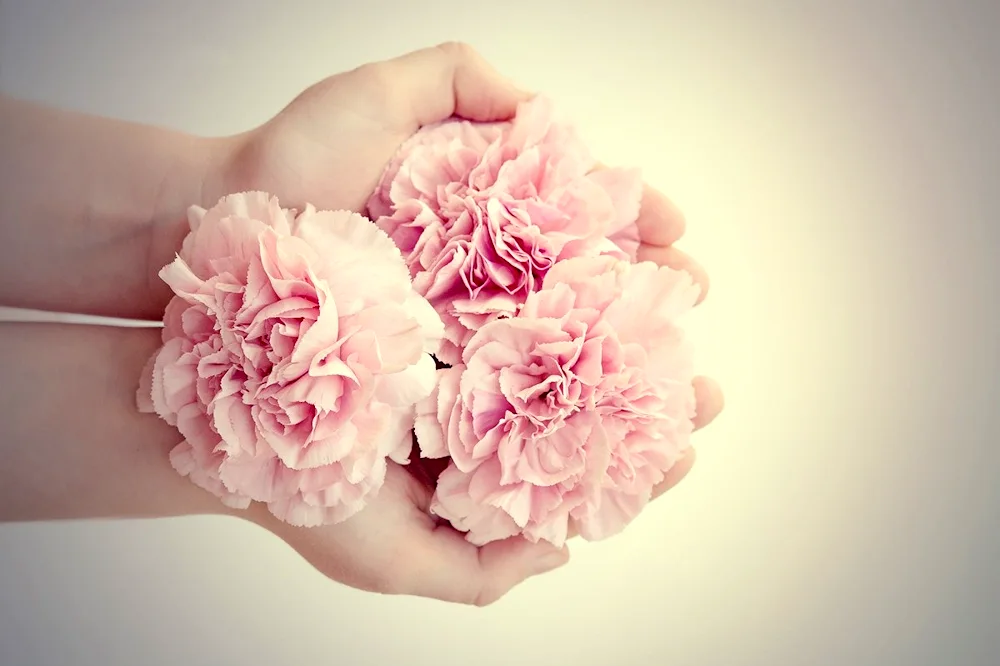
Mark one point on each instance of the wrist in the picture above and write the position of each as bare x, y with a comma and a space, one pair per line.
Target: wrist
199, 172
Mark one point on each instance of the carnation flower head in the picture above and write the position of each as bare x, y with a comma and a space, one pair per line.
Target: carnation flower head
482, 211
569, 412
294, 351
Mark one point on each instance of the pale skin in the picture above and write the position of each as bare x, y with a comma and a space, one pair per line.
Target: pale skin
92, 208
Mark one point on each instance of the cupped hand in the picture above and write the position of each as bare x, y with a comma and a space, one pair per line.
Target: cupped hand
329, 147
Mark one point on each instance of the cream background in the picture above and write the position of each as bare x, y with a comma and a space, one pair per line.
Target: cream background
838, 163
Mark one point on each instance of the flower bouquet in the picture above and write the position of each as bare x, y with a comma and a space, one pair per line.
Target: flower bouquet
490, 306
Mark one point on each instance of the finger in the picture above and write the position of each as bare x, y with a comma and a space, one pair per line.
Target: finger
675, 474
674, 258
450, 79
661, 222
709, 401
441, 564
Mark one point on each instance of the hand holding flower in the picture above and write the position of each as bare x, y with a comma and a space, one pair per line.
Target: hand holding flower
329, 148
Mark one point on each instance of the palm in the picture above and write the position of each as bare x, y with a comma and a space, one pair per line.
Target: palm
359, 551
394, 546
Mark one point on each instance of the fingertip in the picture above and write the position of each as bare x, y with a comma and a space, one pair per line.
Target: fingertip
443, 564
677, 260
480, 92
529, 557
439, 82
700, 277
508, 563
550, 560
661, 222
676, 473
709, 401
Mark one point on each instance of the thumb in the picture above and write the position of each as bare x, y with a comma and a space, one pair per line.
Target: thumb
436, 83
443, 565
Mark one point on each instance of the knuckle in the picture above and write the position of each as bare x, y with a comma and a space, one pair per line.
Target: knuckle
375, 74
486, 595
458, 50
375, 82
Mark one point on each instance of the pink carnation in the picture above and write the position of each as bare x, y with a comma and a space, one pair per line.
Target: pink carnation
293, 354
571, 411
482, 211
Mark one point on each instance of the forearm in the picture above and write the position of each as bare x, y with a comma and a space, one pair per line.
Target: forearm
86, 203
72, 442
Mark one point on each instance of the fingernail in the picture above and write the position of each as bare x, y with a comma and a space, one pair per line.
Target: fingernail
552, 560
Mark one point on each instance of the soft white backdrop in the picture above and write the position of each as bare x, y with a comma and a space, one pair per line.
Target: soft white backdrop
838, 164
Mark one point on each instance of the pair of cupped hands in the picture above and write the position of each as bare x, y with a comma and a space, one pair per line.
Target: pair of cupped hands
328, 147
